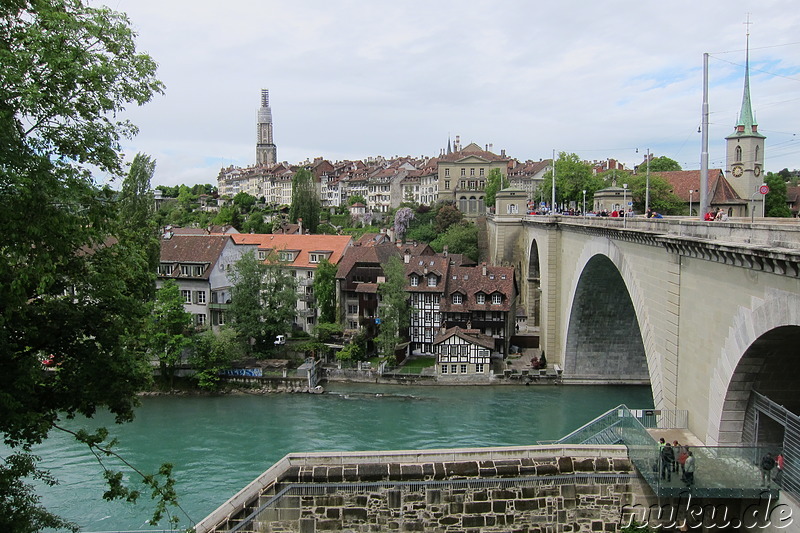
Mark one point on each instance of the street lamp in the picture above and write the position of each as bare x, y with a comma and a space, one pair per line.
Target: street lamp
584, 202
624, 204
690, 201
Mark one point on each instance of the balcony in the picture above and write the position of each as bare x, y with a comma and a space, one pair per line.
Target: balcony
307, 312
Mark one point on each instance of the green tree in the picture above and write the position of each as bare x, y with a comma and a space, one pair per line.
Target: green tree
325, 290
662, 198
660, 164
245, 202
66, 289
573, 176
446, 216
495, 181
305, 200
263, 301
394, 308
460, 239
213, 353
356, 199
168, 331
776, 203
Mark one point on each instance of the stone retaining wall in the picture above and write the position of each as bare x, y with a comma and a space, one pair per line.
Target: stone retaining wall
530, 492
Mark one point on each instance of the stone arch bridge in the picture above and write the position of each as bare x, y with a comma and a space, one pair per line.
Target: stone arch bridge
707, 313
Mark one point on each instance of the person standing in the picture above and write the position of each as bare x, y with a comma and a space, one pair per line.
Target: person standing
676, 451
767, 464
667, 458
688, 469
779, 466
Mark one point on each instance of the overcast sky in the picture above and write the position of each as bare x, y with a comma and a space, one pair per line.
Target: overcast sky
354, 79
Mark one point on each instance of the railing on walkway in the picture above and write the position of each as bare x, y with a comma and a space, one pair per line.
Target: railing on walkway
662, 418
720, 471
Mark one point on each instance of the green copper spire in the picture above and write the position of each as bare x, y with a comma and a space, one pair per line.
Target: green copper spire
747, 125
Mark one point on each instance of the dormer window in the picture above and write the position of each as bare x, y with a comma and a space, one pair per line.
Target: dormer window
457, 299
497, 298
262, 254
431, 281
480, 299
414, 281
286, 256
313, 258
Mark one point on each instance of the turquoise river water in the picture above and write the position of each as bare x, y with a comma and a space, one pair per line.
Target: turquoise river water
218, 444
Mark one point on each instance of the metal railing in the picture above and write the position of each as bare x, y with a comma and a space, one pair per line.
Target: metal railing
662, 418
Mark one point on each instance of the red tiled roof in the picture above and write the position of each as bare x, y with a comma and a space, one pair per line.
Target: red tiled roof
336, 244
203, 249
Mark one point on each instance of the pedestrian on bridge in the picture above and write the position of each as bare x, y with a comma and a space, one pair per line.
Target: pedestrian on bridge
767, 464
688, 470
667, 460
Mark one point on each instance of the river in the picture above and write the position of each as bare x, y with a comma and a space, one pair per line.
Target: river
218, 444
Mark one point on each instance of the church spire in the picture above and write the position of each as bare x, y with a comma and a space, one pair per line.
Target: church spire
266, 151
747, 122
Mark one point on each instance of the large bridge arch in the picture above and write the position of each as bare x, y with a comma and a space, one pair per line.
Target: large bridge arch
603, 338
761, 354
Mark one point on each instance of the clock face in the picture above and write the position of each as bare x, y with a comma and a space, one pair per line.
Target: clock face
737, 171
757, 171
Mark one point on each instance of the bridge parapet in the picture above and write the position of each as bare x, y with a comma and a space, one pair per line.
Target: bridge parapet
772, 247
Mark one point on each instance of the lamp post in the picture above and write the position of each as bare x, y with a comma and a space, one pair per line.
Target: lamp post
624, 204
690, 201
584, 202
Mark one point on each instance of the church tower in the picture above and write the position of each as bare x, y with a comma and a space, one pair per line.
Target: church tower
266, 151
745, 146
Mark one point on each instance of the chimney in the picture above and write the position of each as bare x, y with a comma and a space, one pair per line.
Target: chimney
300, 223
483, 268
406, 257
444, 250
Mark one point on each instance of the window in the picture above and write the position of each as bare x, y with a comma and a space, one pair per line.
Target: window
479, 368
200, 319
463, 369
414, 281
165, 269
197, 270
463, 171
481, 171
453, 369
313, 258
463, 184
457, 299
444, 369
286, 256
480, 299
447, 173
472, 172
185, 270
309, 274
447, 185
431, 281
262, 254
497, 299
200, 297
187, 296
738, 154
352, 309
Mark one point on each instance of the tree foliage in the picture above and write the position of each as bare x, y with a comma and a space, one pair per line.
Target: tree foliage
446, 215
394, 308
495, 181
776, 203
573, 176
73, 280
263, 301
662, 198
213, 353
459, 238
402, 221
325, 290
660, 164
167, 334
305, 200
